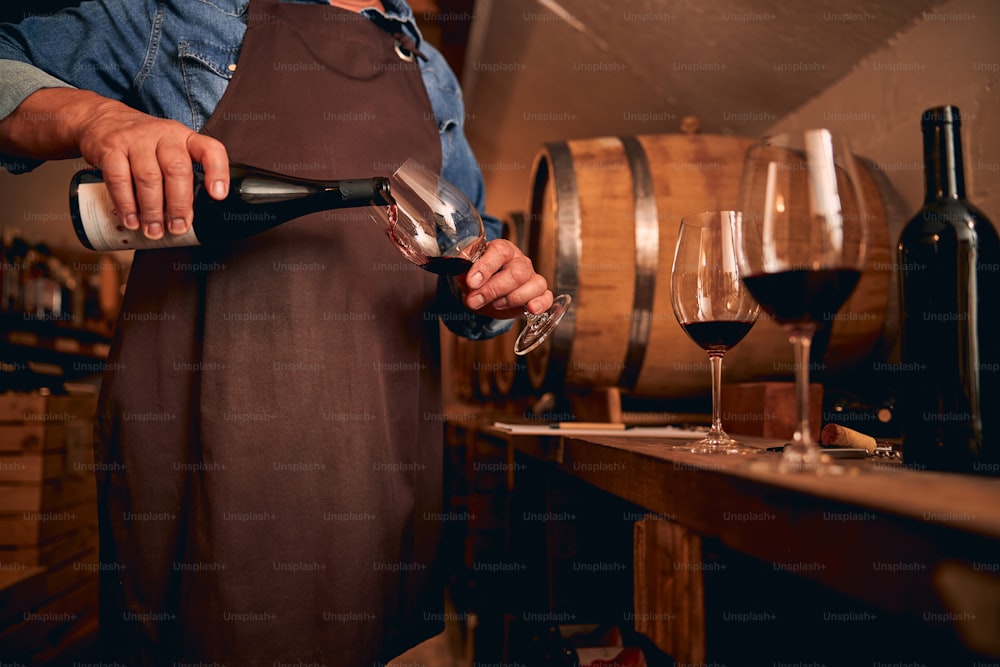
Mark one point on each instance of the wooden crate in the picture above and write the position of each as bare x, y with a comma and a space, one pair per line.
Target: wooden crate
24, 587
32, 453
46, 628
34, 408
48, 525
60, 548
28, 529
50, 611
767, 409
47, 487
21, 586
48, 496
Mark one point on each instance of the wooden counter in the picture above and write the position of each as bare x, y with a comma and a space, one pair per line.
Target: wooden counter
918, 552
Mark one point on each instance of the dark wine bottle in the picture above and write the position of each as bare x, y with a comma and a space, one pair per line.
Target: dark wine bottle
949, 268
258, 200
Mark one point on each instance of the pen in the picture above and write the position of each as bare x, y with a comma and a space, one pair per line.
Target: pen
602, 426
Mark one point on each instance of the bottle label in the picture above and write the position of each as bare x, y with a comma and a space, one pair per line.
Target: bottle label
104, 231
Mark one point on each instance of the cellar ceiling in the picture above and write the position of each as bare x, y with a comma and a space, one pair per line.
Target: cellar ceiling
548, 70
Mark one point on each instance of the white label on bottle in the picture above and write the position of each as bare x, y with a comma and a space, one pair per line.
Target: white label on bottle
104, 230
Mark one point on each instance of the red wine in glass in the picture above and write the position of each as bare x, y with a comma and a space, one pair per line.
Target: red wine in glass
802, 248
712, 305
799, 296
717, 334
447, 266
443, 266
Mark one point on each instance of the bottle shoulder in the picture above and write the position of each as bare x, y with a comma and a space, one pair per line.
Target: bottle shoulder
949, 219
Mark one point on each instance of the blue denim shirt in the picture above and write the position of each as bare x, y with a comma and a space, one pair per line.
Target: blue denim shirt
174, 59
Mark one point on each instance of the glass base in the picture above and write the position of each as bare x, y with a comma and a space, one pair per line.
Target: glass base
540, 326
717, 444
799, 458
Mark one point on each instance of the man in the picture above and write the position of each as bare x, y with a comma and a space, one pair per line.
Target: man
277, 430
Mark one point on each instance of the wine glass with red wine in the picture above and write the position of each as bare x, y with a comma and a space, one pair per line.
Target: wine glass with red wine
435, 226
712, 305
802, 248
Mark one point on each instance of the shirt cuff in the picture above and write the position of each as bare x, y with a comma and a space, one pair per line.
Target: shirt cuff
461, 321
19, 81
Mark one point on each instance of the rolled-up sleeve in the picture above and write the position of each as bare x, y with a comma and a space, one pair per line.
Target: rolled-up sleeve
21, 80
95, 46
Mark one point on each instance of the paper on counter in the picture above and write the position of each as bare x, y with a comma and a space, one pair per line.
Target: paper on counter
567, 429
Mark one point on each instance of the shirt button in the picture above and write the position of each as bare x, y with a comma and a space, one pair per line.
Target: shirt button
232, 68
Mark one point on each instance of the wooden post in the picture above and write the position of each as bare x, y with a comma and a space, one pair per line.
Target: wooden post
669, 589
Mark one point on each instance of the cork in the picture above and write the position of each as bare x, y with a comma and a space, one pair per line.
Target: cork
841, 436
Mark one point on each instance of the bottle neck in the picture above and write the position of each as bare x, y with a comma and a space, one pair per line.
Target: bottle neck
259, 187
943, 162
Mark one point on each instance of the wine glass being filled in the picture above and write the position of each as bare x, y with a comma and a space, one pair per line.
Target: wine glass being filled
801, 250
712, 305
435, 226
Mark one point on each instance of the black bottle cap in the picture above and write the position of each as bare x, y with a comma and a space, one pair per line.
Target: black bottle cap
949, 113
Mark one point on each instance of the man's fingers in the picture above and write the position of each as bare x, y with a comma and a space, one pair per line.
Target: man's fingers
505, 281
178, 187
118, 180
515, 287
148, 165
502, 280
498, 254
212, 156
148, 181
540, 303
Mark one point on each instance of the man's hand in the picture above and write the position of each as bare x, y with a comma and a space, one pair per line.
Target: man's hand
503, 284
147, 162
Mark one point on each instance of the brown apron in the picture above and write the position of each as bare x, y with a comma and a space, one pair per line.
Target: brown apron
269, 430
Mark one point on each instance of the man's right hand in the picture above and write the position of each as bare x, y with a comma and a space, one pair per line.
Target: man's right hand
147, 162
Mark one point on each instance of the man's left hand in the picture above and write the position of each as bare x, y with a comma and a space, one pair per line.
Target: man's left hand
503, 284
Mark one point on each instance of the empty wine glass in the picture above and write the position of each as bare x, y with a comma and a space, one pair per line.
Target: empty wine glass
435, 226
801, 248
712, 305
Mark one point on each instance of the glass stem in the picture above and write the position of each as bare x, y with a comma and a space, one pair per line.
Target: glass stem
801, 340
535, 321
715, 359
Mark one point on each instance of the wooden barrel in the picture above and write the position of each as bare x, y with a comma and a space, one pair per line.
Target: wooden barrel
604, 218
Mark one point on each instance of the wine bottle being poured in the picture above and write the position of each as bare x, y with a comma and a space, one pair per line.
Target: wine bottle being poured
258, 200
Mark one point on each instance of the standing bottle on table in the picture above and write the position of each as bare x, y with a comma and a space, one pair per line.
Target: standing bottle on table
949, 263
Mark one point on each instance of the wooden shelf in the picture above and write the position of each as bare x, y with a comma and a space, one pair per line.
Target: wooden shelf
39, 353
918, 550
